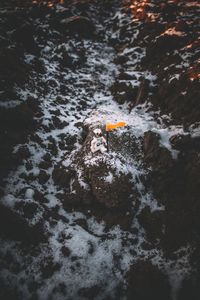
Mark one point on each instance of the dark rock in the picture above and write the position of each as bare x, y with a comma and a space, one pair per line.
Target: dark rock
13, 69
181, 26
9, 292
153, 223
162, 45
62, 176
14, 227
190, 288
27, 209
111, 195
158, 157
65, 251
22, 153
25, 35
48, 268
123, 92
45, 164
43, 177
146, 281
89, 293
80, 25
181, 142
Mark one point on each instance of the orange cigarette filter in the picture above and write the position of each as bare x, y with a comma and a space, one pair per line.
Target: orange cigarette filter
113, 126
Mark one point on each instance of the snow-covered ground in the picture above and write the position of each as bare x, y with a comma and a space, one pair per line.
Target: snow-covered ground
79, 257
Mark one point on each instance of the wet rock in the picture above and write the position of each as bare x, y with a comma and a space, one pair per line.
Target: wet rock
146, 281
83, 26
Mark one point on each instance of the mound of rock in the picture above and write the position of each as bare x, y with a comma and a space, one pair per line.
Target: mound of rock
102, 178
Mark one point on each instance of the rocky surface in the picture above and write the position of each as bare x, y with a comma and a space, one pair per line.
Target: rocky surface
127, 221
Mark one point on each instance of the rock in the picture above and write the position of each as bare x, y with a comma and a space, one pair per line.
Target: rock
153, 223
43, 177
110, 194
176, 184
124, 92
97, 180
181, 26
25, 35
89, 293
13, 69
181, 142
65, 251
158, 157
163, 44
146, 281
190, 288
14, 227
61, 176
80, 25
49, 267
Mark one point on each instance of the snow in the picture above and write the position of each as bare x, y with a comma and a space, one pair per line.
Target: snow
109, 178
29, 194
93, 247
